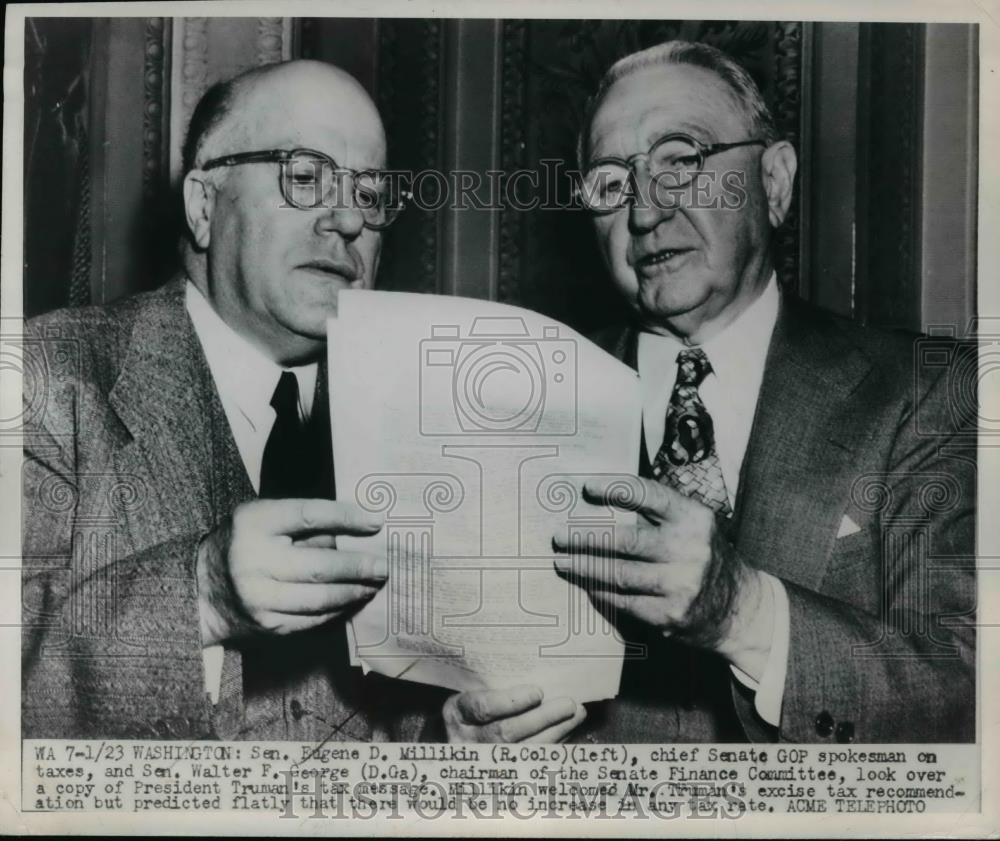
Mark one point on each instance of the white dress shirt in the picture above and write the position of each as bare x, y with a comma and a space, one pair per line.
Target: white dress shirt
245, 379
730, 392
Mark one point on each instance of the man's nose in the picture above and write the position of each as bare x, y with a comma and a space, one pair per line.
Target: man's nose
341, 217
650, 205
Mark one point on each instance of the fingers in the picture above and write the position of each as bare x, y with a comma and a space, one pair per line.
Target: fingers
604, 573
648, 609
510, 715
286, 623
653, 500
486, 705
302, 580
320, 541
641, 542
530, 725
308, 599
301, 516
306, 564
558, 732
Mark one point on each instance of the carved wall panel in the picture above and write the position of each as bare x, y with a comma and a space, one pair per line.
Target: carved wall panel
409, 96
888, 206
107, 102
57, 177
543, 259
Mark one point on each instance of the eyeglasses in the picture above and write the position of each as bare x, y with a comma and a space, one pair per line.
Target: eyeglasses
673, 161
311, 179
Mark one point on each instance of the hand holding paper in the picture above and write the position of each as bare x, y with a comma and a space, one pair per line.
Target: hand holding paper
520, 714
471, 427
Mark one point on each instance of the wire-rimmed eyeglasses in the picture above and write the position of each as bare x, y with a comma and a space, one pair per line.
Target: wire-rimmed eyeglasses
673, 160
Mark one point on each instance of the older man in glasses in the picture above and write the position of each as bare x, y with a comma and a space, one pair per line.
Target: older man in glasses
802, 567
192, 427
781, 596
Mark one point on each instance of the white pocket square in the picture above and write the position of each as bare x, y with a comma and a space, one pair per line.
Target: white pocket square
847, 527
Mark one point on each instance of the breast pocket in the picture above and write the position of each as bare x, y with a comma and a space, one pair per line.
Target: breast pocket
854, 571
846, 548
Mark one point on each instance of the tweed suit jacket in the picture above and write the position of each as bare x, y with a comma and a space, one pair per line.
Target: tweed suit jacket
851, 422
129, 462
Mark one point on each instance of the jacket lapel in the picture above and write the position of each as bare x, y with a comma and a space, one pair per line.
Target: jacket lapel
806, 431
797, 472
180, 437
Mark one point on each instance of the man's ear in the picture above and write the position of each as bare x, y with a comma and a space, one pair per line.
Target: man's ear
777, 170
199, 202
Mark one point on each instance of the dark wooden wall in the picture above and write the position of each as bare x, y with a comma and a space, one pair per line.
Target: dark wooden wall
883, 115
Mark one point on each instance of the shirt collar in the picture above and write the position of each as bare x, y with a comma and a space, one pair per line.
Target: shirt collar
244, 376
740, 347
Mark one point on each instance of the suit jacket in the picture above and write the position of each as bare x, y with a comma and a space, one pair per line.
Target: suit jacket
855, 422
129, 462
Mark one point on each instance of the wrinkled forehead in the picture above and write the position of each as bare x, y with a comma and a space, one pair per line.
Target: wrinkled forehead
648, 103
319, 115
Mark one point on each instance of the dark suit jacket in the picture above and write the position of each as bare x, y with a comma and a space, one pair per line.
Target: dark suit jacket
129, 461
857, 422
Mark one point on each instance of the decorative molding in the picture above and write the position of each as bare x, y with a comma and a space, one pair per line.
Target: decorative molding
387, 46
512, 153
409, 91
153, 110
907, 143
63, 95
430, 143
79, 285
194, 64
891, 296
270, 40
787, 111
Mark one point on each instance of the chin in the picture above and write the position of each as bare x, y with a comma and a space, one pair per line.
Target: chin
315, 328
668, 300
308, 323
313, 304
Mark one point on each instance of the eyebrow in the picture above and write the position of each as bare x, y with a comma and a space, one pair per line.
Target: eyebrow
696, 131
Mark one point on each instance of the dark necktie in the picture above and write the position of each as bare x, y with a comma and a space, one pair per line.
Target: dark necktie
298, 459
687, 459
297, 464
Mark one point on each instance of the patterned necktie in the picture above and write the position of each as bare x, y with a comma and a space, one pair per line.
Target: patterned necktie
297, 457
687, 459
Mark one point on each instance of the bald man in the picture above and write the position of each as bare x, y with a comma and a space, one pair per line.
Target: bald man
181, 574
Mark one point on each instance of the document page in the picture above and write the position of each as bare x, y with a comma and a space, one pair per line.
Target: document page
471, 427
